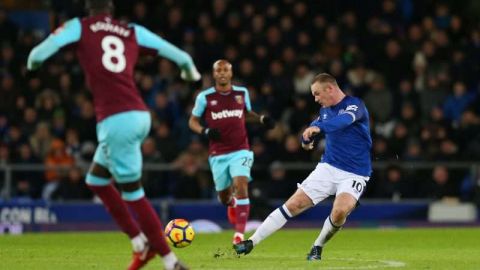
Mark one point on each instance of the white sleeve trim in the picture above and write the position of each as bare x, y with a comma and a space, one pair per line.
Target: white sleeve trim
352, 114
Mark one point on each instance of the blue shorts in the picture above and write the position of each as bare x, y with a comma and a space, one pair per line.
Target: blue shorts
120, 138
226, 167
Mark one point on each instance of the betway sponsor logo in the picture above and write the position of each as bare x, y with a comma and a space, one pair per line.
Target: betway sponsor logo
227, 114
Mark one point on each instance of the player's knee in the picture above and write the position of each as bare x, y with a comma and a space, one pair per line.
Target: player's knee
133, 195
99, 171
339, 214
130, 187
295, 207
241, 193
224, 199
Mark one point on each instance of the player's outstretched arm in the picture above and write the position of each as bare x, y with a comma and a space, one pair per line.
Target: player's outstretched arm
148, 39
68, 33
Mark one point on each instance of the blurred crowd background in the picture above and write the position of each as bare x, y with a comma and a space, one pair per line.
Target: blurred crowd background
415, 64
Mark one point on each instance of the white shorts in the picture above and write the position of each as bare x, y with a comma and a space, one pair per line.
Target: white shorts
327, 180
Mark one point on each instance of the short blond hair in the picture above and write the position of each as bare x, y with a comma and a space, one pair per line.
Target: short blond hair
324, 78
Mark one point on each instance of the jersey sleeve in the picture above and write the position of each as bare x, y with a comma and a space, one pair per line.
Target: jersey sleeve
146, 38
248, 104
200, 105
353, 111
68, 33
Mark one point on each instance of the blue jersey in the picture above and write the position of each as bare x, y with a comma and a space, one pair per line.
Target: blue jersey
347, 133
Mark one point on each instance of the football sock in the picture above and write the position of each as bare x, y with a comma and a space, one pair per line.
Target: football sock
241, 213
276, 220
328, 230
149, 223
139, 242
116, 207
169, 260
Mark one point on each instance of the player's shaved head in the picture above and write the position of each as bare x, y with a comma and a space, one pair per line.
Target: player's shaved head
222, 74
221, 62
99, 5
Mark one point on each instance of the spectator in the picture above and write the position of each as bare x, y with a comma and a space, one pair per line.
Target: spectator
8, 30
292, 150
165, 141
57, 162
41, 140
302, 80
279, 179
72, 187
27, 184
85, 122
298, 116
191, 183
46, 103
457, 102
379, 101
469, 135
393, 185
8, 93
441, 186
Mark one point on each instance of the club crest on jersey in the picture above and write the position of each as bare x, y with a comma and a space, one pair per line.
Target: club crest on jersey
324, 116
213, 103
239, 99
352, 108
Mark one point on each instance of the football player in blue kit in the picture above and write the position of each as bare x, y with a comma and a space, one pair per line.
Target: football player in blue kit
343, 171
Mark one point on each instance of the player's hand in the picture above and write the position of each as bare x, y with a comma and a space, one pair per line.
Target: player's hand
211, 133
31, 65
190, 74
309, 132
267, 121
307, 145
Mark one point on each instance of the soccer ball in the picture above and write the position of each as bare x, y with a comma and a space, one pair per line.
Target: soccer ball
179, 233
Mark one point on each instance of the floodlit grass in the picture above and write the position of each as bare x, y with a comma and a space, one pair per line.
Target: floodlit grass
434, 249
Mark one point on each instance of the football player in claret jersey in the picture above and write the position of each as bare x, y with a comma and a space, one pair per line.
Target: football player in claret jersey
224, 108
107, 51
344, 170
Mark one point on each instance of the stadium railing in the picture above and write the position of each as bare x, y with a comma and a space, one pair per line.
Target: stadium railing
466, 168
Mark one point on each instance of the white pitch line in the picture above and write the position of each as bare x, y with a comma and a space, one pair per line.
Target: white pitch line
383, 264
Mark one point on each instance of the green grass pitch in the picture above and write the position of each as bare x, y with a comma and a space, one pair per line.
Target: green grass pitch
441, 248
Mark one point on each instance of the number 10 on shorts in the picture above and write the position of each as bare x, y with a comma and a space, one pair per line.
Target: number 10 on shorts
358, 186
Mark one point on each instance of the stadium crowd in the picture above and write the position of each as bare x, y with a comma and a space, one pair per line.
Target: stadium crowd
414, 63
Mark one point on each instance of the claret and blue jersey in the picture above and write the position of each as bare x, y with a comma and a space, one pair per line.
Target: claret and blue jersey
107, 50
225, 112
347, 133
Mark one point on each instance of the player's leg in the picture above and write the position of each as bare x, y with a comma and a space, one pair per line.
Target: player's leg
240, 164
242, 207
313, 190
344, 203
134, 195
126, 133
295, 205
98, 180
223, 184
348, 193
226, 198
